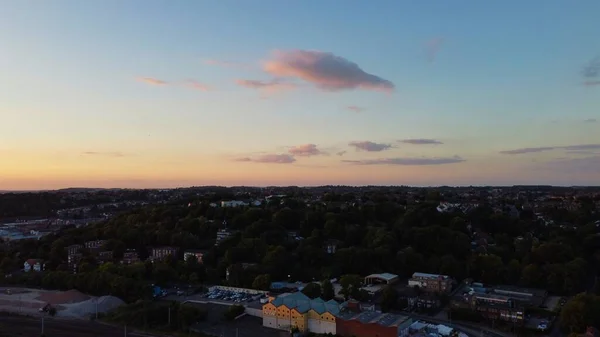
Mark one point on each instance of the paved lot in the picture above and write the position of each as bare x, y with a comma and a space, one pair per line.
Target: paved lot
552, 302
11, 326
247, 326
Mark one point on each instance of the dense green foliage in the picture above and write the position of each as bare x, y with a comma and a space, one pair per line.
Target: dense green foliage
373, 232
580, 312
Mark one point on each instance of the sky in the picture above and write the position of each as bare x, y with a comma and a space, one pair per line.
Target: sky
162, 93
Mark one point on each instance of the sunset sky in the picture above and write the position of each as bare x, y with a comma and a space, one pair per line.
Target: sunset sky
169, 93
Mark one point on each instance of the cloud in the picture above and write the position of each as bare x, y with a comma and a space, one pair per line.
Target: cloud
432, 47
104, 154
592, 68
408, 161
152, 81
324, 70
269, 87
421, 141
197, 85
341, 153
305, 150
269, 158
369, 146
550, 148
591, 83
355, 108
590, 120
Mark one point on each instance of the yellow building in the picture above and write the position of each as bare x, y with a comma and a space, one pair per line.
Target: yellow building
297, 310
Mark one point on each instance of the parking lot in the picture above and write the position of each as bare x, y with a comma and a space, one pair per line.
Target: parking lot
232, 296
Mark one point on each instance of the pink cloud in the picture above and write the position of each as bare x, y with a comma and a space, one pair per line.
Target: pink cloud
324, 70
591, 83
355, 108
269, 158
197, 85
432, 47
369, 146
269, 87
152, 81
305, 150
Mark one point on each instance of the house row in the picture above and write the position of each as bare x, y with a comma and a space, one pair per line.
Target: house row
296, 311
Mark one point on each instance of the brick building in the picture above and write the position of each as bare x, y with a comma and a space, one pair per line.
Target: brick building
431, 282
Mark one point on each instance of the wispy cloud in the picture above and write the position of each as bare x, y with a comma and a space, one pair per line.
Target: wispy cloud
408, 161
369, 146
421, 141
591, 73
592, 68
340, 153
551, 148
305, 150
590, 120
197, 85
355, 108
104, 154
151, 81
269, 159
324, 70
432, 47
268, 87
591, 83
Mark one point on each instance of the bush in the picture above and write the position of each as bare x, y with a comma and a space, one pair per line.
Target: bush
233, 311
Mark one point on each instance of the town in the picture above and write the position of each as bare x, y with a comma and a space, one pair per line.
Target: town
348, 261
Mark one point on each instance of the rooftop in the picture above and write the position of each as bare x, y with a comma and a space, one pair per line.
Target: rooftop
430, 276
303, 303
384, 276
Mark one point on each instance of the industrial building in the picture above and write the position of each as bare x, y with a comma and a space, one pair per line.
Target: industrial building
296, 310
349, 319
431, 282
504, 303
371, 324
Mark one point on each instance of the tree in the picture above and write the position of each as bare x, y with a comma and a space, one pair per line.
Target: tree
312, 290
389, 297
327, 291
351, 284
580, 311
262, 282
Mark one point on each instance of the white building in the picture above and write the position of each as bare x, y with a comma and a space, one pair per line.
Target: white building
33, 264
233, 203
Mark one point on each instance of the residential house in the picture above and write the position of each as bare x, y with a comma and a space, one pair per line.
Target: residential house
73, 249
130, 256
33, 265
74, 259
105, 256
161, 253
95, 245
195, 254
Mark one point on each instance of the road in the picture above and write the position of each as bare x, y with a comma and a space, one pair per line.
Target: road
11, 326
471, 329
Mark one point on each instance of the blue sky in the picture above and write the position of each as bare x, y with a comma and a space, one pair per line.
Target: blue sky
101, 93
